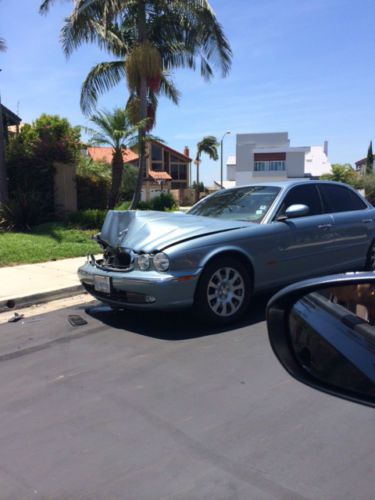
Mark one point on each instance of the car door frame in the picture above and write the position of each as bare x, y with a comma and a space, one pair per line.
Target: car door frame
302, 243
351, 243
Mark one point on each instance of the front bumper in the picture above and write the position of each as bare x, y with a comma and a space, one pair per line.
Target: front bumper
130, 289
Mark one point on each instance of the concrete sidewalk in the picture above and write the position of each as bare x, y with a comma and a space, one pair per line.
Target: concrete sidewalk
21, 286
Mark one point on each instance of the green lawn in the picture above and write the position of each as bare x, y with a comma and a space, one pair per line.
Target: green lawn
50, 241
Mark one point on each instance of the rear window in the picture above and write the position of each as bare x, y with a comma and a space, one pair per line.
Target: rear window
340, 199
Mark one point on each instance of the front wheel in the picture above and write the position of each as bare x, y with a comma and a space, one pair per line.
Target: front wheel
224, 291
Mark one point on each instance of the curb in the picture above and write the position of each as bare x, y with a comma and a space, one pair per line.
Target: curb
39, 298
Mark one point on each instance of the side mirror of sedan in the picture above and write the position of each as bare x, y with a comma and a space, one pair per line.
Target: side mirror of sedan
323, 333
294, 211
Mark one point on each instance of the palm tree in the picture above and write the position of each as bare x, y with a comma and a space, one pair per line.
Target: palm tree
3, 177
159, 36
208, 145
113, 129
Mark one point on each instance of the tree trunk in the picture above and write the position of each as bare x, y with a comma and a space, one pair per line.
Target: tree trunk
117, 169
3, 175
142, 94
197, 186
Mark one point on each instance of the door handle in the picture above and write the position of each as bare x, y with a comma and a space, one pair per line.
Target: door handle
324, 226
367, 221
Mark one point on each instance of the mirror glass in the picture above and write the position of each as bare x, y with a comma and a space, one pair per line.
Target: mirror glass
332, 331
297, 211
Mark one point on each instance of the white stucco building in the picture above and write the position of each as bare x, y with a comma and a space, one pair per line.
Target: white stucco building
270, 156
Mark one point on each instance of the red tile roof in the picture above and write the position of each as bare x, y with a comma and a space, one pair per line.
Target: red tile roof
105, 154
159, 176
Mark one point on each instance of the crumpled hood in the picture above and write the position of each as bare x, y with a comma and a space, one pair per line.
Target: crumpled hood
150, 231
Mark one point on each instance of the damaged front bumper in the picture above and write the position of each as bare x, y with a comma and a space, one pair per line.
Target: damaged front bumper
137, 289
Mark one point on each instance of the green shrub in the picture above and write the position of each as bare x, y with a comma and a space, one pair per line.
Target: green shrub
163, 202
87, 219
25, 209
144, 205
30, 158
128, 183
87, 167
369, 186
125, 205
92, 192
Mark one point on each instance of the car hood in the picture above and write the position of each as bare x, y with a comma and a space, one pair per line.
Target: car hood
151, 231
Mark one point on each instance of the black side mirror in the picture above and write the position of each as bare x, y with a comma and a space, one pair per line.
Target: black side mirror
323, 333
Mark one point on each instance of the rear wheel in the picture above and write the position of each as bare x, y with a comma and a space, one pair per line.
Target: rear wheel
224, 291
370, 263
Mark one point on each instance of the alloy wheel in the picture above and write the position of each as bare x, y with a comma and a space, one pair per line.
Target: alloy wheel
371, 258
226, 291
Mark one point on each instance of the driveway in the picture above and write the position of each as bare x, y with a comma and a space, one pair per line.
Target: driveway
155, 406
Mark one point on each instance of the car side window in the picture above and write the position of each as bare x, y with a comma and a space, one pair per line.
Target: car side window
302, 195
340, 199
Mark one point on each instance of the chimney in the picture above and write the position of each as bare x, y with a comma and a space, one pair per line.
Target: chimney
326, 147
186, 151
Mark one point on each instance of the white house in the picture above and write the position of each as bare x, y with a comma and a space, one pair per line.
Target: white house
270, 156
316, 161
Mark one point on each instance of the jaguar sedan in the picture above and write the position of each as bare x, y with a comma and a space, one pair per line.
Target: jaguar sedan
229, 246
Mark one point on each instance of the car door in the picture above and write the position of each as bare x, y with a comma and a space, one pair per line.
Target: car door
354, 225
302, 246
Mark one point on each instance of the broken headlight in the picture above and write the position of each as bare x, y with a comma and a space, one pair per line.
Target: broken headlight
143, 262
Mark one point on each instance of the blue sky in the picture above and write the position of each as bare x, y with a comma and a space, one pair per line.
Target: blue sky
302, 66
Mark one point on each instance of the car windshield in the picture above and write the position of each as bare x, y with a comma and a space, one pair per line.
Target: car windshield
249, 203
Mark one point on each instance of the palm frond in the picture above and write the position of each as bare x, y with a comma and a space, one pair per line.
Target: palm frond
45, 5
102, 77
168, 89
112, 128
208, 145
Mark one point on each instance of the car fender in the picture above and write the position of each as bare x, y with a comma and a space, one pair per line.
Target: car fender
226, 249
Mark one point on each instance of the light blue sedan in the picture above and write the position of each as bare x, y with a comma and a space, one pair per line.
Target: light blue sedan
230, 245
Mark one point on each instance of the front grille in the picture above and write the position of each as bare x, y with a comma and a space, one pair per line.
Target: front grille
118, 259
117, 295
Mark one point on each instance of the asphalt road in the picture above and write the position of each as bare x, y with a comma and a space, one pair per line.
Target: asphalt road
140, 406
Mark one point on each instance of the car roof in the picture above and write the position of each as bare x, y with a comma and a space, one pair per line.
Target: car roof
291, 182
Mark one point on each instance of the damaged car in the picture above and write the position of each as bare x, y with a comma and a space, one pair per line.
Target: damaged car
229, 246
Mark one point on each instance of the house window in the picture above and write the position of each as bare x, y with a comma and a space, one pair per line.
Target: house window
269, 166
166, 161
156, 153
182, 171
260, 166
157, 166
179, 171
174, 171
277, 165
156, 158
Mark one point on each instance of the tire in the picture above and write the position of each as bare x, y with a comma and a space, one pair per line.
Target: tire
370, 261
224, 291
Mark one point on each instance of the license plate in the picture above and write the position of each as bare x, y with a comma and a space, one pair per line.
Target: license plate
102, 284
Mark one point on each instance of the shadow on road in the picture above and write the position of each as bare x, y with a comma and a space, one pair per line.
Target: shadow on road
169, 325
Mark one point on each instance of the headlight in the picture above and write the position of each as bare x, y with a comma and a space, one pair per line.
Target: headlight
161, 262
143, 262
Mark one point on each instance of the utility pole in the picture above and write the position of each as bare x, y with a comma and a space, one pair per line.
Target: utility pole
221, 159
3, 174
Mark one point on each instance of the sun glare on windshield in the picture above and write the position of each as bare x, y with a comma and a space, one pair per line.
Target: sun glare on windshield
248, 203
